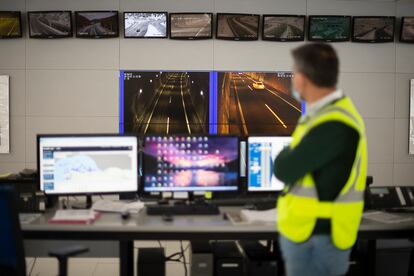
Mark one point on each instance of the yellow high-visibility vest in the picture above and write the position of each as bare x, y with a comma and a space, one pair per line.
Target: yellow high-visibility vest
299, 207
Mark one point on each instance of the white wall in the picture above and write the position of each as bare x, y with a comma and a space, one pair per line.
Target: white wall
71, 85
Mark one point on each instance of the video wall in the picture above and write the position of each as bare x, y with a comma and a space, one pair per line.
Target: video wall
203, 102
192, 26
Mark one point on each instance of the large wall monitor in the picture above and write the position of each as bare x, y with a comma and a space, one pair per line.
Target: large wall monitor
234, 26
191, 25
407, 30
10, 24
262, 152
50, 24
329, 28
87, 164
283, 27
190, 163
145, 24
411, 147
97, 24
374, 29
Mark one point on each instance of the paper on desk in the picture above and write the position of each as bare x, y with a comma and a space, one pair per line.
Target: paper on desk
268, 216
118, 206
74, 216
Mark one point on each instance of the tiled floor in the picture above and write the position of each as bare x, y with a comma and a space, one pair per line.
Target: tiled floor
101, 266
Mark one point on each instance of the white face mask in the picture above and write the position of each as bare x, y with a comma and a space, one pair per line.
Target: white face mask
296, 95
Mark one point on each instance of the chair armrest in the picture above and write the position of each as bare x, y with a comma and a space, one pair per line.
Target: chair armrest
68, 251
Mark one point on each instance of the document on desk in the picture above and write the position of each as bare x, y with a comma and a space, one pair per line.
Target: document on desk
74, 216
118, 206
384, 217
252, 216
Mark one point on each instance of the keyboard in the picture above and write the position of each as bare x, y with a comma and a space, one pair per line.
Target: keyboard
205, 209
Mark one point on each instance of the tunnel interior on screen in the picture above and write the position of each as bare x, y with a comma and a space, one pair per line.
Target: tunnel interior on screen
205, 102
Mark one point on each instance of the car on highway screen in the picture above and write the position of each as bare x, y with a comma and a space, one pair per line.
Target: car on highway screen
145, 24
256, 103
407, 29
50, 24
97, 24
373, 29
329, 28
191, 25
10, 24
283, 28
237, 26
165, 102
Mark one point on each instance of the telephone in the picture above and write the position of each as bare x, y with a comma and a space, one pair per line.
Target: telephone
389, 197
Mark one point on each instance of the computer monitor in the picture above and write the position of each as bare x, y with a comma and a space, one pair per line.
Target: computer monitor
87, 164
262, 152
190, 163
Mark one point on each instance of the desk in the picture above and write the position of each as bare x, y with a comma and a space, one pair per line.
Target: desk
142, 227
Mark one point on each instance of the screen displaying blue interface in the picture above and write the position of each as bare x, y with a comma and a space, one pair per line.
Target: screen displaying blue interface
262, 152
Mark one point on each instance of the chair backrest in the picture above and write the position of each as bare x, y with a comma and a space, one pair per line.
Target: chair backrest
12, 258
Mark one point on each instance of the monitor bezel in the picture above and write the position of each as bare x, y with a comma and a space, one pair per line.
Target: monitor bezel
45, 36
329, 40
96, 36
39, 136
20, 35
248, 191
264, 16
148, 37
401, 39
354, 39
190, 37
146, 192
238, 38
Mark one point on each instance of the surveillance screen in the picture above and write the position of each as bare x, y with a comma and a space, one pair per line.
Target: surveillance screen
283, 28
237, 26
191, 25
407, 29
10, 24
50, 24
97, 24
329, 28
373, 29
145, 24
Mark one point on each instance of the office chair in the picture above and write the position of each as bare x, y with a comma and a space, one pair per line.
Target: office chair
12, 257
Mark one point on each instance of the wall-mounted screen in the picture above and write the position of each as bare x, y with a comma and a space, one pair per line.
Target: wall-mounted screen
374, 29
407, 29
256, 103
329, 28
283, 27
191, 163
50, 24
237, 26
191, 25
97, 24
262, 151
165, 102
411, 147
145, 24
10, 24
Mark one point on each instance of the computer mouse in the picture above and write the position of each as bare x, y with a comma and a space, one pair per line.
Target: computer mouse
125, 215
167, 217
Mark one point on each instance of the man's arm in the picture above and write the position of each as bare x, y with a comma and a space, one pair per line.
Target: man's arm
321, 145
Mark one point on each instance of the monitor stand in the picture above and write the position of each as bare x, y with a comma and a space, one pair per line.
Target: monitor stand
83, 205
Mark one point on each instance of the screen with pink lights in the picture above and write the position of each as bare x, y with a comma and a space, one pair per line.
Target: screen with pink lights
191, 163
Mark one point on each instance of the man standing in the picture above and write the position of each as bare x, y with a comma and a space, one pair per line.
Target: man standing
324, 170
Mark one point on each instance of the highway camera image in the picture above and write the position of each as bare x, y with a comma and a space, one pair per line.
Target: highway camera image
237, 26
166, 102
188, 25
10, 24
259, 103
329, 28
408, 29
284, 27
145, 24
373, 29
92, 24
50, 24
